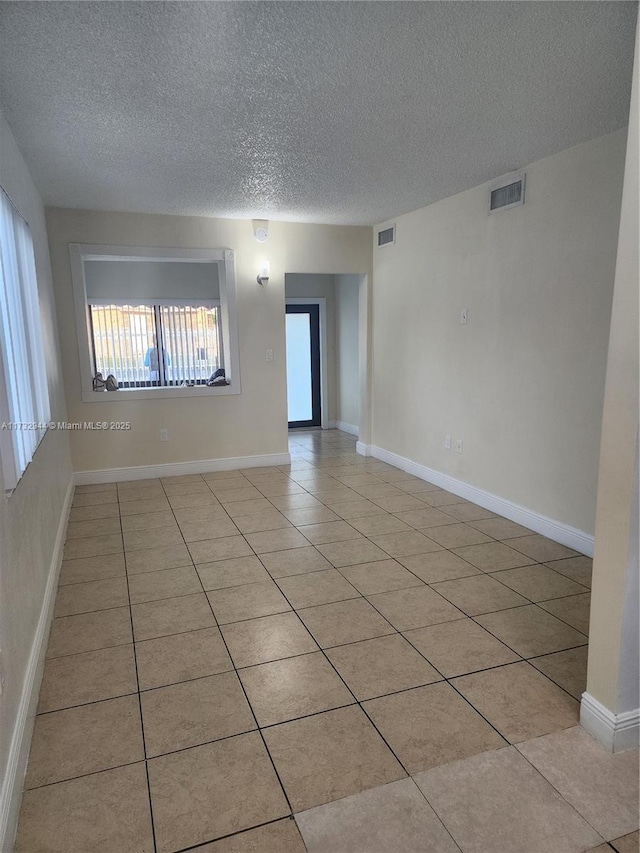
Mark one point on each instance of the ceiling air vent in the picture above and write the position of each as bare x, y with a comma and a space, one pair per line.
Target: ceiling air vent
506, 193
387, 236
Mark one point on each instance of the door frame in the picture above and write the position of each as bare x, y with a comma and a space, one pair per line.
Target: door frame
322, 303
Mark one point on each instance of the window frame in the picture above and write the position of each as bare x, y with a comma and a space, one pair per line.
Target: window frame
224, 258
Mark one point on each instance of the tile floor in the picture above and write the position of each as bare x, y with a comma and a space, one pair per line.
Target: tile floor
336, 640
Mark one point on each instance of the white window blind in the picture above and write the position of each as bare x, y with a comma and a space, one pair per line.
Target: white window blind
24, 393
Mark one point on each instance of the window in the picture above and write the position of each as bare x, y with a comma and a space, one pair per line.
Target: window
24, 392
161, 321
128, 341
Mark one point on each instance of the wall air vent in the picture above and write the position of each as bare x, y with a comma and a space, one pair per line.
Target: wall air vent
387, 236
507, 192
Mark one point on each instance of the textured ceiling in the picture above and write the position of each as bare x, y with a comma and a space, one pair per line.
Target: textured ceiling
312, 111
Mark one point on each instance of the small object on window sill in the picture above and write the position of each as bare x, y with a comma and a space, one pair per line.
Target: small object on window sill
188, 383
98, 383
217, 378
112, 383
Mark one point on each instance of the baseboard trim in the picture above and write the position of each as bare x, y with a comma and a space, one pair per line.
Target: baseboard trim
616, 732
11, 793
345, 427
173, 469
579, 540
363, 449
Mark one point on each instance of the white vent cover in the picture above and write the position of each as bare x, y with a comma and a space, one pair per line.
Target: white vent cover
387, 236
507, 192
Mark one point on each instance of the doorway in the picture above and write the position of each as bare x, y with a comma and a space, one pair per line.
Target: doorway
303, 365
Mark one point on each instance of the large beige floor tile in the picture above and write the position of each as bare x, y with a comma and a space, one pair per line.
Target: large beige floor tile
213, 790
171, 616
237, 495
467, 512
574, 610
540, 548
261, 521
431, 725
568, 669
155, 559
290, 502
83, 529
351, 552
82, 740
105, 812
456, 535
282, 836
140, 507
296, 561
538, 583
424, 517
327, 756
236, 571
300, 516
167, 583
344, 622
376, 525
163, 537
381, 665
196, 501
405, 544
458, 647
602, 786
86, 569
380, 576
396, 502
208, 513
93, 513
148, 521
578, 569
414, 607
438, 566
500, 528
198, 531
392, 817
315, 588
95, 498
493, 556
296, 687
87, 677
88, 631
266, 639
181, 657
519, 701
182, 715
248, 507
627, 843
276, 540
247, 602
497, 803
357, 509
329, 531
479, 594
93, 546
92, 595
225, 548
530, 631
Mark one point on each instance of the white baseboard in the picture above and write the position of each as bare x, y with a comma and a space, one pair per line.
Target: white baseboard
363, 449
345, 427
173, 469
616, 732
11, 792
579, 540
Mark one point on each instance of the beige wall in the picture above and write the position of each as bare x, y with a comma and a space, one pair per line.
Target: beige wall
347, 344
253, 422
31, 516
522, 383
613, 648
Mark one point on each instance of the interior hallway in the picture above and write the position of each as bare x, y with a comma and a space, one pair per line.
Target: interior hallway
335, 639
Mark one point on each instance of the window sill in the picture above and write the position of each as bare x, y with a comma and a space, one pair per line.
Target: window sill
133, 394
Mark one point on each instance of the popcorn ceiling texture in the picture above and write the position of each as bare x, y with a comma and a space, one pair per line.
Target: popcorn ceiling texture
329, 112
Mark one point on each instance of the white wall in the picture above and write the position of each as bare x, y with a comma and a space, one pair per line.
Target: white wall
151, 280
253, 422
30, 519
522, 383
348, 357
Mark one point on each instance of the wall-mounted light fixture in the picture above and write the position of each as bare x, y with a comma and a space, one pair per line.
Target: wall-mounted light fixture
263, 274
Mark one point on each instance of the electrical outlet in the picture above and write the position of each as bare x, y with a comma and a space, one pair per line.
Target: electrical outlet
269, 355
164, 435
459, 446
447, 442
463, 316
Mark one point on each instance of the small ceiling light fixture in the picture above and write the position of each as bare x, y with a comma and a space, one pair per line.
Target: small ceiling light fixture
263, 275
261, 230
